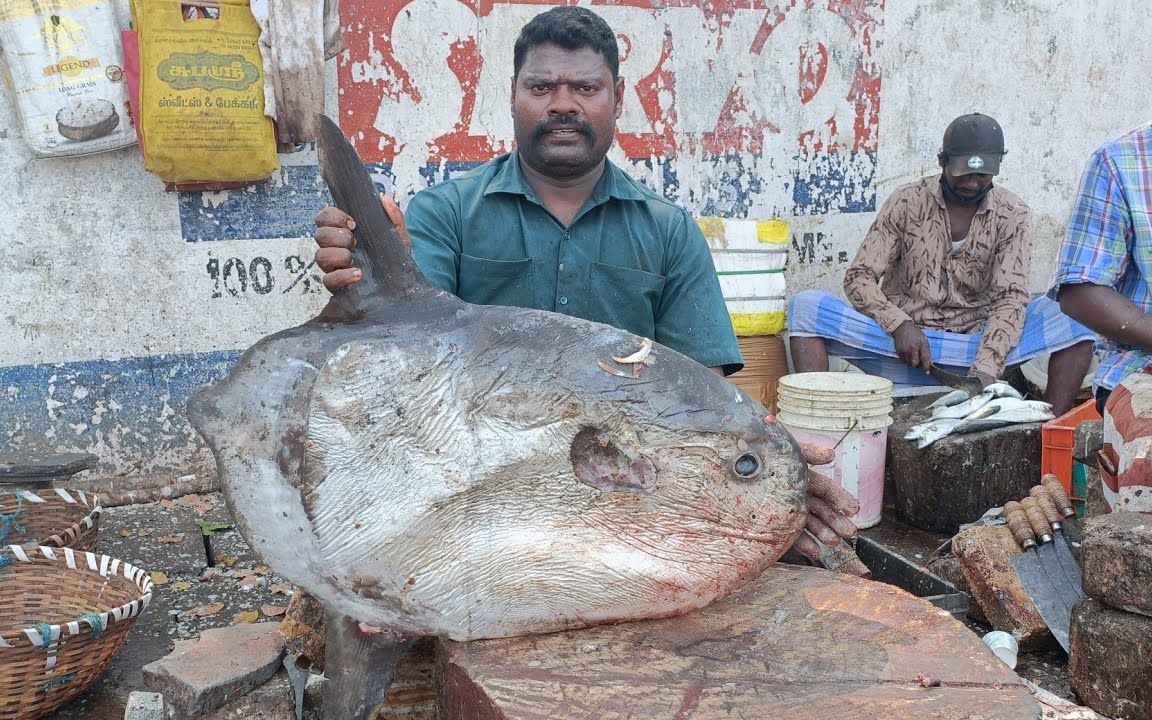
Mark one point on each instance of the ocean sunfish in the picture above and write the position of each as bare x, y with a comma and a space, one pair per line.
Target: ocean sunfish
431, 467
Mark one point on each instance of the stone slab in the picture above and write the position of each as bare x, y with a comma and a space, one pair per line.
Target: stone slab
1109, 660
1116, 555
223, 664
954, 480
269, 701
985, 554
45, 467
153, 537
799, 643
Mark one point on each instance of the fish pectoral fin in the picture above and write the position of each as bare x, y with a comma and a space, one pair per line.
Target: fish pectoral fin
599, 461
358, 667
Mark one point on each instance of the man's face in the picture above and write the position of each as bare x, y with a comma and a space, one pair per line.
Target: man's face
967, 186
564, 109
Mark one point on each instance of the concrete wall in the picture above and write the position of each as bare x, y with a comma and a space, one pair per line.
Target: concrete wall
121, 298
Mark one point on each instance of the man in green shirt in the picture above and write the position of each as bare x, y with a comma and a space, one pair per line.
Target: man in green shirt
555, 226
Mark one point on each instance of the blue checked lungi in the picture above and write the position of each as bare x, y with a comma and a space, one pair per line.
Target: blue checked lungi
857, 338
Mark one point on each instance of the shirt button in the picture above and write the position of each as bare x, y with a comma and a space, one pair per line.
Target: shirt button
563, 301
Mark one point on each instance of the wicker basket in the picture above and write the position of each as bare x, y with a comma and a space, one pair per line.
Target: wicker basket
51, 517
63, 616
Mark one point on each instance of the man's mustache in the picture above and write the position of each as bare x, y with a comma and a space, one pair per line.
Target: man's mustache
564, 122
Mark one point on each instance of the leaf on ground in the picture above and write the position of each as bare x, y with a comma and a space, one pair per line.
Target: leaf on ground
167, 504
159, 577
281, 588
125, 533
144, 532
204, 610
250, 616
225, 560
273, 610
208, 574
171, 539
209, 528
181, 585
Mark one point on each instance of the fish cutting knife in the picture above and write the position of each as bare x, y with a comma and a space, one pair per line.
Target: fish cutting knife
1046, 551
1036, 582
1069, 568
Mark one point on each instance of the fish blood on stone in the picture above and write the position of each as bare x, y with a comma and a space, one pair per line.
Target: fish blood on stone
429, 467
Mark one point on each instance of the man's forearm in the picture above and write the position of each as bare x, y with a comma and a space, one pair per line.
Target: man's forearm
1109, 313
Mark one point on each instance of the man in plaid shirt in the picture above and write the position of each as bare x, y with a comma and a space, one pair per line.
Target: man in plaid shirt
1101, 279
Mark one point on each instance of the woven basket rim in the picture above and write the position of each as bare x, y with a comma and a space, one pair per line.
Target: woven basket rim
65, 494
105, 565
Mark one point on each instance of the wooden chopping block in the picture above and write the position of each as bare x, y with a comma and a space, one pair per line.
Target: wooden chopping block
985, 554
799, 643
954, 480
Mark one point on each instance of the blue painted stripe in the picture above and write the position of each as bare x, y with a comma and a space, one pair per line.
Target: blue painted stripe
132, 408
281, 209
824, 183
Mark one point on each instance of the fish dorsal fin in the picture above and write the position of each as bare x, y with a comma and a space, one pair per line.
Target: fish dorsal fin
388, 274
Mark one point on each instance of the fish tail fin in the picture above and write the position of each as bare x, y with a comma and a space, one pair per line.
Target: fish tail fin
358, 667
383, 258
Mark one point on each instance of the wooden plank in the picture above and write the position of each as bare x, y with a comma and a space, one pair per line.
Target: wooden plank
799, 643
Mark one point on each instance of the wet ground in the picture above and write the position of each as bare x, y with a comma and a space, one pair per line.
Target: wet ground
207, 577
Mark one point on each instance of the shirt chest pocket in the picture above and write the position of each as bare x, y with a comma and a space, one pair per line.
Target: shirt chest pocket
494, 282
625, 298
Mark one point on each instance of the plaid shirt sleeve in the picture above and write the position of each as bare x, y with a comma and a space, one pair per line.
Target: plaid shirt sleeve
1095, 249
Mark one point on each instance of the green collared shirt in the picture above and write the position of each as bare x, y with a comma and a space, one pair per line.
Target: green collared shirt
630, 258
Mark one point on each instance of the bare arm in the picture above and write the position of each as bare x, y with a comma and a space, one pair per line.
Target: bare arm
1109, 313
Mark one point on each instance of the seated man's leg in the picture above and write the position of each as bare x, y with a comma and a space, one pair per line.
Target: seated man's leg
1128, 445
822, 325
1048, 330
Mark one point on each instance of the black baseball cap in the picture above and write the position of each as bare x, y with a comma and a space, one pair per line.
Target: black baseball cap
974, 144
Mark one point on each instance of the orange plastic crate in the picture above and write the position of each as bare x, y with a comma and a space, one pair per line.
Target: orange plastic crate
1057, 437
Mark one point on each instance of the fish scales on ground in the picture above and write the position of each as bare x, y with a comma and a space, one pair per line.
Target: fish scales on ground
431, 467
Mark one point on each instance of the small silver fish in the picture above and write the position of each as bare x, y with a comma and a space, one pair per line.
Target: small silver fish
953, 398
936, 430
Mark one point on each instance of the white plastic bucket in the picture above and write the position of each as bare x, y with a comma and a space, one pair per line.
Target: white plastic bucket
750, 256
849, 412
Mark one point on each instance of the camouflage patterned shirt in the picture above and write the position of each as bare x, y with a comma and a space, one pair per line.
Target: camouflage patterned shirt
906, 269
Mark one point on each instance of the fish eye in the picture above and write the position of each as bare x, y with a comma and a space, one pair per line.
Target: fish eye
746, 466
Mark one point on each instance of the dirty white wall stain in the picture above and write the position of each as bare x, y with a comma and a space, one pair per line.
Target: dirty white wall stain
122, 298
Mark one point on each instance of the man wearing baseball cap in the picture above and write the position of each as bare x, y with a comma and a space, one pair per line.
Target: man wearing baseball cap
941, 279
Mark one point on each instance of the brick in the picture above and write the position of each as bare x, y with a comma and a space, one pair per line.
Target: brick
1117, 557
225, 663
270, 701
1109, 657
985, 554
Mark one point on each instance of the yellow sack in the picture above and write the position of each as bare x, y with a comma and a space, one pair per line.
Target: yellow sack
202, 95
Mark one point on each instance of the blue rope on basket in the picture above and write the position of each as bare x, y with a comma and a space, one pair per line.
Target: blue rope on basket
96, 622
8, 522
6, 559
45, 631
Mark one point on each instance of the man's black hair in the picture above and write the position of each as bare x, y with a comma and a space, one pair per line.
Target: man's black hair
572, 28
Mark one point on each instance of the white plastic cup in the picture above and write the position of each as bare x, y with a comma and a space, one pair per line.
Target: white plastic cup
1004, 646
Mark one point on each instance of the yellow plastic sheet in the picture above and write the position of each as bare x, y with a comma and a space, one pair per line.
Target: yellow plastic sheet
202, 94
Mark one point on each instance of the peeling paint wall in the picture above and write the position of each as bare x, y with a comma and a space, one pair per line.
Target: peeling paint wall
121, 298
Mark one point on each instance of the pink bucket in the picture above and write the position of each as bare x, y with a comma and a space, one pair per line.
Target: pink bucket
849, 412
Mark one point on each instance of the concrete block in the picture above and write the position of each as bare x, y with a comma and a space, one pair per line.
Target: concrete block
1089, 438
144, 706
985, 554
1117, 557
224, 664
1108, 661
